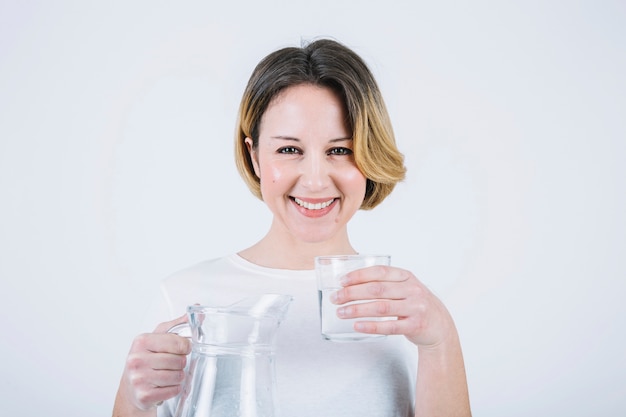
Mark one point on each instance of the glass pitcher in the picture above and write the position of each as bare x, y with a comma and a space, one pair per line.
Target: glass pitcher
231, 368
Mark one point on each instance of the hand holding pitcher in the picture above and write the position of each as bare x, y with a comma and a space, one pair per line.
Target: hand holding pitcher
154, 368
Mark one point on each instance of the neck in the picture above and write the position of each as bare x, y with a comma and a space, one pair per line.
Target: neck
285, 253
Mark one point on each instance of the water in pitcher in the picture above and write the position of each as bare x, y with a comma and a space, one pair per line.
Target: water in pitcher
229, 381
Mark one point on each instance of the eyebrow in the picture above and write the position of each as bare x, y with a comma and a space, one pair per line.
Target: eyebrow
298, 140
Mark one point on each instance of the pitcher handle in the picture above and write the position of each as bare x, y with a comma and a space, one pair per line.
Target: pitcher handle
181, 329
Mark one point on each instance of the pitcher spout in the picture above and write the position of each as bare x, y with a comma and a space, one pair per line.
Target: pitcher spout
252, 321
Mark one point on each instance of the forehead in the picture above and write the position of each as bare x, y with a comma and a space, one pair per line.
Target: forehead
305, 108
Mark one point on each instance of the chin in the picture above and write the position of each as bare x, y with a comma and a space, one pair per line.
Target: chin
315, 236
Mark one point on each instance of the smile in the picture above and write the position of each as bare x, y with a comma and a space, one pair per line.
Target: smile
313, 206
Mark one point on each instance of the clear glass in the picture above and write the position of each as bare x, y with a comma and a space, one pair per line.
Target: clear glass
329, 270
231, 366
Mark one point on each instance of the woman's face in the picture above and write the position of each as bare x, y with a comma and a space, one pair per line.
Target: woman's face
305, 162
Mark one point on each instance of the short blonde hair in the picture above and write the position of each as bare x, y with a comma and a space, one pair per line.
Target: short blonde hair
325, 63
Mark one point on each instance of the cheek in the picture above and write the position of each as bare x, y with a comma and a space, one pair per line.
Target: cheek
271, 174
355, 179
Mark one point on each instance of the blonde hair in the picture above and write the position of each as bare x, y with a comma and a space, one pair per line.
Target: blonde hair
325, 63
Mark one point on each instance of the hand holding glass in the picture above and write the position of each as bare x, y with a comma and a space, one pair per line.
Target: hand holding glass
329, 270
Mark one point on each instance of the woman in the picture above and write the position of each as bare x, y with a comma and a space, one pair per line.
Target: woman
315, 143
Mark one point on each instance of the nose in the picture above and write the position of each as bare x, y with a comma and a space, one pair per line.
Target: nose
315, 172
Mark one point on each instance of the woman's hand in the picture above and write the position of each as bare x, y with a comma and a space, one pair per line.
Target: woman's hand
154, 370
421, 316
441, 386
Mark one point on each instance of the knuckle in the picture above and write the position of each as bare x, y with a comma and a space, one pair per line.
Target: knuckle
345, 294
380, 270
417, 291
370, 327
393, 327
420, 308
144, 397
184, 346
138, 380
407, 275
140, 341
182, 362
134, 362
351, 310
377, 289
383, 308
177, 389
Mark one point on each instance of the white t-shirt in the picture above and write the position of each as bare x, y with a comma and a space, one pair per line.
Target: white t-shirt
314, 377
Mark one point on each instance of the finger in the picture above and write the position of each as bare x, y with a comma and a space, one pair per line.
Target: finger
370, 291
158, 378
167, 361
150, 383
376, 273
148, 397
143, 363
404, 309
388, 327
161, 342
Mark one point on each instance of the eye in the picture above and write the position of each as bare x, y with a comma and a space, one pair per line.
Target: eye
340, 151
288, 150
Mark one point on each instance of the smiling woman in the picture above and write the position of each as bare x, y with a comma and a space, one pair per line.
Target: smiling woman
366, 118
314, 142
303, 159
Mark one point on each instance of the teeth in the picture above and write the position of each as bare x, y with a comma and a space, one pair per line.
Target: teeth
310, 206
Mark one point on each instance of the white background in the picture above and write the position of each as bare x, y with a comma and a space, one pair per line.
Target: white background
116, 169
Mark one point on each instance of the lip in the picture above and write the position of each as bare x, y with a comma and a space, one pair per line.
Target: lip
314, 213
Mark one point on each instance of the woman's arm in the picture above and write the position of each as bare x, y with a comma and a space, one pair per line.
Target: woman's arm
441, 386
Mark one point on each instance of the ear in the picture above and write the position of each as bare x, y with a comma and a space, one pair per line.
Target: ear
254, 157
